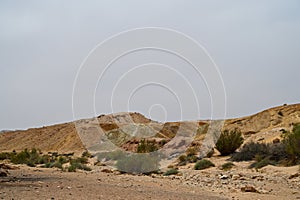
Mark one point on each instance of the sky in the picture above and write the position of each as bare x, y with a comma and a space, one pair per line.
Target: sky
254, 44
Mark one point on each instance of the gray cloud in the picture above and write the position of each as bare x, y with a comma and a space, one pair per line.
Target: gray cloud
254, 43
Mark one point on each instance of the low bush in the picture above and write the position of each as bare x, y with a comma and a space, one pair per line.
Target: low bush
35, 157
146, 146
261, 162
72, 168
263, 154
76, 165
86, 154
171, 172
203, 164
6, 155
229, 141
249, 151
292, 144
227, 166
184, 159
30, 158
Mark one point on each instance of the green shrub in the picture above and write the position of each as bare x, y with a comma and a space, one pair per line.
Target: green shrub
183, 159
192, 158
146, 146
6, 155
203, 164
82, 160
249, 151
56, 164
191, 151
263, 154
229, 141
77, 165
292, 144
277, 152
86, 154
44, 159
227, 166
72, 168
62, 159
138, 164
30, 158
261, 162
171, 172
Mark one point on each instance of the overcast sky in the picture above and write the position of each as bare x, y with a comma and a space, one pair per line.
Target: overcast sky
255, 44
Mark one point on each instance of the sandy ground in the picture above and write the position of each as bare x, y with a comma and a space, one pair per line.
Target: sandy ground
40, 183
33, 183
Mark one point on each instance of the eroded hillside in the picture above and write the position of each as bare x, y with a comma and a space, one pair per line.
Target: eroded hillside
64, 138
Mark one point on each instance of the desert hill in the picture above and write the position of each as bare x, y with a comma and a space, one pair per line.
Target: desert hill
63, 138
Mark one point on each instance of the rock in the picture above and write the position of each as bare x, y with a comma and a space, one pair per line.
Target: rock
5, 166
294, 176
276, 141
3, 174
235, 177
264, 192
249, 189
106, 171
223, 177
261, 139
258, 177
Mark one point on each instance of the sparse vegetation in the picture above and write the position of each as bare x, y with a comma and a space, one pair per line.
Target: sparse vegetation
285, 153
190, 157
146, 146
261, 162
203, 164
292, 144
86, 154
229, 142
171, 172
30, 158
227, 166
35, 157
78, 163
249, 151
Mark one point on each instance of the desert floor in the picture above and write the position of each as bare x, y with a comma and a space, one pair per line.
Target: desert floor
41, 183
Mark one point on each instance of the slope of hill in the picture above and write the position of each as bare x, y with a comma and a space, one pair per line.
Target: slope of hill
268, 124
64, 138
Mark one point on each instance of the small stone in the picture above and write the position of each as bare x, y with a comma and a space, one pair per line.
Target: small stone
106, 171
276, 141
224, 177
261, 139
249, 189
264, 192
3, 174
294, 176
